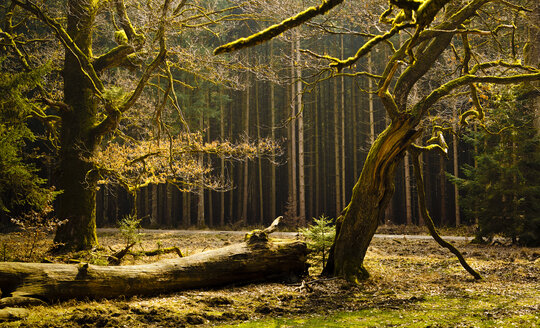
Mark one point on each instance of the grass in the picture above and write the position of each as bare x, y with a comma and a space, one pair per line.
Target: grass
413, 283
437, 311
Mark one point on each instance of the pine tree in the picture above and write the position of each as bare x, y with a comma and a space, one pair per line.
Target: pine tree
503, 190
21, 188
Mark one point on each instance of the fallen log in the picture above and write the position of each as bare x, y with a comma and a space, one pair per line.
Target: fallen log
256, 259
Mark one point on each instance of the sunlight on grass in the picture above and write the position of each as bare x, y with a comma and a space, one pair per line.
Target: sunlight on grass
484, 311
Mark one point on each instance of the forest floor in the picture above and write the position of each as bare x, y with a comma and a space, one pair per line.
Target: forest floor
413, 283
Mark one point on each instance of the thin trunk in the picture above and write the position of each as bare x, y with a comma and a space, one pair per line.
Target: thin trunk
408, 201
186, 215
245, 191
354, 113
301, 172
442, 177
371, 105
273, 136
222, 160
105, 203
154, 219
475, 164
169, 204
342, 116
211, 219
293, 196
200, 191
261, 194
317, 185
421, 220
336, 150
456, 167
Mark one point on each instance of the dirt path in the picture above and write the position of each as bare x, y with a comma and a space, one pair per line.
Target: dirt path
279, 233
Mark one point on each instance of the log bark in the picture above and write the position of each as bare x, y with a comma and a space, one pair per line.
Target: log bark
255, 259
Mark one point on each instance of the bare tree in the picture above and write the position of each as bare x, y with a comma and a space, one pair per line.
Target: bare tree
432, 32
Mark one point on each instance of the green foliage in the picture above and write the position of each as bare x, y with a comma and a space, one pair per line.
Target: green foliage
320, 236
21, 189
129, 228
503, 190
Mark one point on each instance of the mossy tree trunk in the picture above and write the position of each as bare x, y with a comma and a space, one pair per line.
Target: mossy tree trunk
86, 114
78, 141
257, 259
370, 196
420, 53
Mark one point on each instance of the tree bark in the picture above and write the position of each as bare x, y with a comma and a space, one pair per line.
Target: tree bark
254, 260
245, 190
342, 137
292, 127
222, 159
408, 196
370, 196
78, 178
301, 166
456, 166
337, 148
259, 160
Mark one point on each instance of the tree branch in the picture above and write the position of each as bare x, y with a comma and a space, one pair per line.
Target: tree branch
69, 44
429, 221
425, 60
160, 36
277, 29
113, 58
422, 106
386, 97
135, 38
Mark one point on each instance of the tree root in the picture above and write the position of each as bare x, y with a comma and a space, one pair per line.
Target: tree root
429, 222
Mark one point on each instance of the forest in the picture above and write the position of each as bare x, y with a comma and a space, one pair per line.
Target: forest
141, 140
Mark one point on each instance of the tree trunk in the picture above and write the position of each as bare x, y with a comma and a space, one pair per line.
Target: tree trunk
371, 105
245, 198
292, 126
337, 157
256, 259
154, 217
371, 194
222, 160
78, 143
301, 167
456, 166
342, 129
442, 181
273, 158
259, 160
408, 197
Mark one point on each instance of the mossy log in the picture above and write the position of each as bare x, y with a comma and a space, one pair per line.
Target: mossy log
252, 260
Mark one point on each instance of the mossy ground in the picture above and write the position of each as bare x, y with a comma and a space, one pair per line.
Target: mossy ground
413, 283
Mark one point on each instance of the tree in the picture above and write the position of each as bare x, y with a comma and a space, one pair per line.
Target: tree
21, 187
503, 190
419, 52
102, 83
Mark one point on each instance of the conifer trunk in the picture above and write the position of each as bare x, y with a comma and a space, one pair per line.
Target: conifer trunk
301, 166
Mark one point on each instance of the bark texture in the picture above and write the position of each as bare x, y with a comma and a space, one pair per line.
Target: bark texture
371, 195
254, 260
